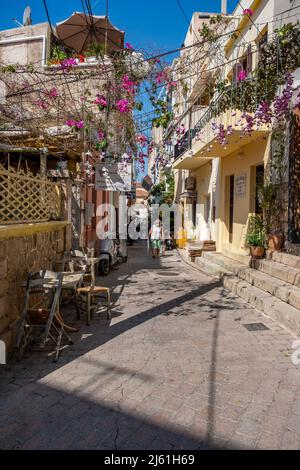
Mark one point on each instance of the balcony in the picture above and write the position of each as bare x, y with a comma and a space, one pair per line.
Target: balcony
205, 144
184, 144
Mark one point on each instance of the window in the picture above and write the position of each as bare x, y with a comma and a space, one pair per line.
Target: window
262, 41
244, 64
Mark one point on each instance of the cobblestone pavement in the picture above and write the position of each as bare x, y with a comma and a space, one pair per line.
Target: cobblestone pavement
174, 369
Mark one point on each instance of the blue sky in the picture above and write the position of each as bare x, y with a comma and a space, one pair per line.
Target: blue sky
157, 25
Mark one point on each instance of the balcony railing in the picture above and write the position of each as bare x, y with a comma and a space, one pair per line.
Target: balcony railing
209, 113
185, 143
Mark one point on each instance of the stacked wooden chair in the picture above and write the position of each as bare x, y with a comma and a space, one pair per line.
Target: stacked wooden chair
41, 320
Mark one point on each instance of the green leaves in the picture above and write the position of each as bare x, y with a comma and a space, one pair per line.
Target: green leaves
256, 233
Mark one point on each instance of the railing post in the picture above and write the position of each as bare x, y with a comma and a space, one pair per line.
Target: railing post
2, 352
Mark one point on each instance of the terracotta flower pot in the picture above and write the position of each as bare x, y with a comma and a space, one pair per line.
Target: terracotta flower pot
257, 252
275, 242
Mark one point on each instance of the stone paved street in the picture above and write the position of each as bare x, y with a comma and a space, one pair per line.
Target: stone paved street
175, 369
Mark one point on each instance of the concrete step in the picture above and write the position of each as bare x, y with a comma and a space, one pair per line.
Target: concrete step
274, 297
286, 258
277, 287
286, 315
280, 271
211, 268
244, 259
225, 262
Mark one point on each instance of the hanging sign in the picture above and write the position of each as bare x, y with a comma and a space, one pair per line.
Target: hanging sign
112, 177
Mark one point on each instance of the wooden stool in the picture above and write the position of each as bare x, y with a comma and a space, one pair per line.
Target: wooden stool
90, 292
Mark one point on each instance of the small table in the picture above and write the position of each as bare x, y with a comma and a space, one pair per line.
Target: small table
71, 282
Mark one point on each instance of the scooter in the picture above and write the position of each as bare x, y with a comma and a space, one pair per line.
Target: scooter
111, 252
169, 244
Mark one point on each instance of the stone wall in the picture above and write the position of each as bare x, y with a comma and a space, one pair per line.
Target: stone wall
39, 248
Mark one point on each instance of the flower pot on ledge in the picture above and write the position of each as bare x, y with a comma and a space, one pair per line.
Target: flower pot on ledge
257, 252
275, 241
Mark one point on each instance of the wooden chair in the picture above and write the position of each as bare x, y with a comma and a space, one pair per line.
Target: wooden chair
92, 295
40, 319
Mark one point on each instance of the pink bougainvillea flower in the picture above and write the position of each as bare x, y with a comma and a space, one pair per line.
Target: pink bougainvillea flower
282, 102
101, 135
76, 124
248, 12
128, 84
181, 130
141, 139
123, 106
70, 123
162, 77
80, 124
67, 64
242, 76
53, 92
101, 101
171, 85
128, 46
42, 104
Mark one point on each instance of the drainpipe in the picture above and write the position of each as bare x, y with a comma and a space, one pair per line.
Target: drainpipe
27, 39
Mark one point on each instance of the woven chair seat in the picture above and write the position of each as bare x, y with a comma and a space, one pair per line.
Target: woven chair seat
91, 289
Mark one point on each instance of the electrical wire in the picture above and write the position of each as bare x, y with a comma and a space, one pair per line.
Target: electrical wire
48, 16
185, 16
218, 66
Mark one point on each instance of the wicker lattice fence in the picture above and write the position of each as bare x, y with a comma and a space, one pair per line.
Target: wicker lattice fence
27, 198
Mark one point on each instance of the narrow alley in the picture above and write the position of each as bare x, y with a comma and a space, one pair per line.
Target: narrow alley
175, 368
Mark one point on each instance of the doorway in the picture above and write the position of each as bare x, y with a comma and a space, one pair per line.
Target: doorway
259, 182
294, 182
231, 207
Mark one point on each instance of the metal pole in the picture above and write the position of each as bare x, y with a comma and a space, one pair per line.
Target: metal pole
106, 32
224, 7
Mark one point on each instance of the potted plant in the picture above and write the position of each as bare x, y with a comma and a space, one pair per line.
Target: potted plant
95, 52
275, 239
271, 213
57, 55
256, 237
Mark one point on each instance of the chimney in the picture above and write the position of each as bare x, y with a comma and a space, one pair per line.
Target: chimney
224, 7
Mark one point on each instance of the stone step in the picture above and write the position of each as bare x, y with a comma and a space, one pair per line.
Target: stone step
244, 259
211, 268
276, 287
225, 262
274, 297
287, 259
280, 271
284, 291
286, 315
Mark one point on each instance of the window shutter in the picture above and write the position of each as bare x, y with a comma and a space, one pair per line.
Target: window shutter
236, 70
249, 59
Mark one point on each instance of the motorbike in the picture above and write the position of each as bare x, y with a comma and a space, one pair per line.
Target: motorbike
110, 253
169, 244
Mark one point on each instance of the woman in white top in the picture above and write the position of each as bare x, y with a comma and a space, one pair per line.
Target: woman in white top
156, 236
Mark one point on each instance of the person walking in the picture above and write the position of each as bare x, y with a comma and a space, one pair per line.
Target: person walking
156, 237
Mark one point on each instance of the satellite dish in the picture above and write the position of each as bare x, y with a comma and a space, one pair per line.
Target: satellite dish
27, 17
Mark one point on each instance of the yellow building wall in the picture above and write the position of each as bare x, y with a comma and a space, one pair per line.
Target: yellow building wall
241, 164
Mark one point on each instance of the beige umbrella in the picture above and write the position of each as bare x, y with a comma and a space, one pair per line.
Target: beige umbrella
79, 31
